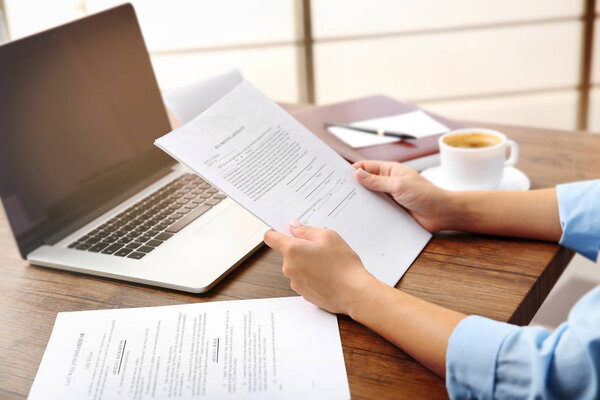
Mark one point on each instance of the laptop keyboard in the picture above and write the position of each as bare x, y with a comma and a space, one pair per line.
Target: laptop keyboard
147, 224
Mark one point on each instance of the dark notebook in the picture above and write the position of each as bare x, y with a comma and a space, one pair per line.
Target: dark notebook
368, 108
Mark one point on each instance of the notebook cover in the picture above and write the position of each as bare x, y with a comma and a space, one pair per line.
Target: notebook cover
368, 108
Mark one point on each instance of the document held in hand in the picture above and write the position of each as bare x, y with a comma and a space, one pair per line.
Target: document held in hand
265, 160
280, 348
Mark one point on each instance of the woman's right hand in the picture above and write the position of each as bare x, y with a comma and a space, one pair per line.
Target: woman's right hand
427, 203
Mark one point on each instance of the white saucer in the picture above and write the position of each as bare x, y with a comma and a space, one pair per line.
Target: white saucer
513, 179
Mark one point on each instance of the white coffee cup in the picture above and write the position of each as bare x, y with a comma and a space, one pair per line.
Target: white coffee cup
475, 168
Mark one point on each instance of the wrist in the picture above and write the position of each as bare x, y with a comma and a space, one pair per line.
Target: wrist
362, 298
456, 210
459, 211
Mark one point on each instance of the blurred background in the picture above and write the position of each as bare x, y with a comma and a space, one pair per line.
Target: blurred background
518, 62
521, 62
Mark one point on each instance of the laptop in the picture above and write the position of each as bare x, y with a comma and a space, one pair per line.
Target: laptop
82, 184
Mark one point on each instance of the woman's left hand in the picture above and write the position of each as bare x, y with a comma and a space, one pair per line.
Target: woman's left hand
321, 267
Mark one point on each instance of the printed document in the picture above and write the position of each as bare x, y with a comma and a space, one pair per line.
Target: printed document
416, 123
269, 163
281, 348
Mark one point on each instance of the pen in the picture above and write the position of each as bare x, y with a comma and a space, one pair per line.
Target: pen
378, 132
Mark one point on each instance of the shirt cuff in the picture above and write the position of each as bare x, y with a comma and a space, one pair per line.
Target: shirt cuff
579, 214
471, 357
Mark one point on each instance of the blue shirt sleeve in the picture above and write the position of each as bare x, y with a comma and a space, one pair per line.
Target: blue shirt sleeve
488, 359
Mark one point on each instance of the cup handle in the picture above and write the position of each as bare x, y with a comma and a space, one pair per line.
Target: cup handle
514, 153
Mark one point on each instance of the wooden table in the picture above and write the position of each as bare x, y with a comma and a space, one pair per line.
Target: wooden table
505, 279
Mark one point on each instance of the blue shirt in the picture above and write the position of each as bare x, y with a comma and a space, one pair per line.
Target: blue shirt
487, 359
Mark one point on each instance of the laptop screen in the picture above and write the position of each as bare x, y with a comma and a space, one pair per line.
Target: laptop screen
79, 111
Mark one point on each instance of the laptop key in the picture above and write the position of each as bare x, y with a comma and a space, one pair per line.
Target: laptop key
112, 248
111, 229
98, 247
145, 249
84, 246
134, 245
183, 222
74, 244
163, 236
123, 252
212, 202
136, 255
154, 243
112, 238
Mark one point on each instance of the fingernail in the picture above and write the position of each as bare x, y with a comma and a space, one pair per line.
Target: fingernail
362, 173
295, 223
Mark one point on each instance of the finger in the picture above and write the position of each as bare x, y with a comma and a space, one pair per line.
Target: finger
375, 166
304, 231
378, 183
277, 240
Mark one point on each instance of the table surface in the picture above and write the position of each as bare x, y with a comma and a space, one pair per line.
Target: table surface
502, 278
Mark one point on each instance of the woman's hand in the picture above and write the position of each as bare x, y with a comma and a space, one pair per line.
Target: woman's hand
321, 267
529, 214
427, 203
325, 271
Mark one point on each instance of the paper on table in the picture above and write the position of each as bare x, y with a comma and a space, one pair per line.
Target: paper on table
190, 101
416, 123
269, 163
282, 348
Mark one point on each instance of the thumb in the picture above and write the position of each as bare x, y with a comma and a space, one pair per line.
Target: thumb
378, 183
303, 231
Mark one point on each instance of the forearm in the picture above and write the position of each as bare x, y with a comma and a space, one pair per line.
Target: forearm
420, 328
531, 214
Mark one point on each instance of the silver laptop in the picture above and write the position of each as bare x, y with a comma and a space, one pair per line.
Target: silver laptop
82, 184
